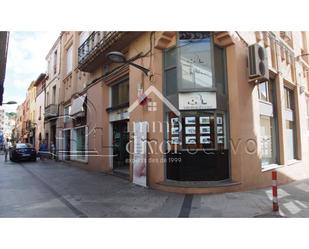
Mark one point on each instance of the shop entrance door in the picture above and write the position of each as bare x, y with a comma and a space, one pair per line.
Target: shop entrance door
120, 141
67, 144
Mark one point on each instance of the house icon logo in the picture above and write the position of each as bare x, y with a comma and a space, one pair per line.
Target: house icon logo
151, 105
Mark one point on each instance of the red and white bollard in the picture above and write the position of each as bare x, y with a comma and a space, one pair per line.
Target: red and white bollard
275, 192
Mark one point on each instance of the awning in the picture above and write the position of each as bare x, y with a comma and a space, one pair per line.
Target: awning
77, 108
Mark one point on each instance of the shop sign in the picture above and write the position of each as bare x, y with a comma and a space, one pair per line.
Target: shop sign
140, 154
197, 101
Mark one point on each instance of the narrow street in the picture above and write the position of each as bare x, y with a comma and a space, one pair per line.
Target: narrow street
53, 189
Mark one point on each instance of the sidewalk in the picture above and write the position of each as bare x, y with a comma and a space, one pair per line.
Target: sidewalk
53, 189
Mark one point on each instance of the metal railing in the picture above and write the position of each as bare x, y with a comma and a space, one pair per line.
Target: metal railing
93, 42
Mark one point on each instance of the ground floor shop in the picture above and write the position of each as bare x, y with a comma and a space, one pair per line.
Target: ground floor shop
205, 128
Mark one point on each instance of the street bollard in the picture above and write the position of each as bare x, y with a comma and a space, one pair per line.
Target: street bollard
275, 192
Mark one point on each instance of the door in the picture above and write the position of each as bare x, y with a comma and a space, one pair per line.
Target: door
67, 144
120, 141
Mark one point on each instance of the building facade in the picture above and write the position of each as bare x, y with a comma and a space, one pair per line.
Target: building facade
52, 93
210, 125
18, 124
40, 109
4, 44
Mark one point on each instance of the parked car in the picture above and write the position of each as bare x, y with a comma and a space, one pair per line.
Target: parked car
23, 151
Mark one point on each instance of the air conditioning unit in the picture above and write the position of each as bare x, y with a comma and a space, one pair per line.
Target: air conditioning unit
258, 64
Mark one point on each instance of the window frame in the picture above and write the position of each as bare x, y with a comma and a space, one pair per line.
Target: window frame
195, 89
271, 100
117, 84
69, 54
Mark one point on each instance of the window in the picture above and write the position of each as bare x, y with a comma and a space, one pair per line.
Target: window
264, 92
198, 130
54, 95
79, 143
69, 60
195, 61
170, 66
268, 123
268, 151
288, 98
120, 93
67, 112
47, 98
83, 37
55, 62
290, 132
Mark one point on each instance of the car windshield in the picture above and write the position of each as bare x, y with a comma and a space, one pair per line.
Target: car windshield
23, 146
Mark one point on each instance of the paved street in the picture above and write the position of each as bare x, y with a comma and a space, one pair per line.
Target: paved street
50, 189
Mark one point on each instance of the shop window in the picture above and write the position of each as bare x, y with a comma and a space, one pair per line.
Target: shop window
195, 61
198, 130
170, 68
79, 143
120, 93
220, 68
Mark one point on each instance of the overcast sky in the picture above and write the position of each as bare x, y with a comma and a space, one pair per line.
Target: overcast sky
26, 60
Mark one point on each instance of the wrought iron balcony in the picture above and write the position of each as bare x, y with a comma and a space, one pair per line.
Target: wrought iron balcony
51, 111
92, 52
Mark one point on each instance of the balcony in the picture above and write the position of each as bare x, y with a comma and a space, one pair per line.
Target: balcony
51, 111
93, 51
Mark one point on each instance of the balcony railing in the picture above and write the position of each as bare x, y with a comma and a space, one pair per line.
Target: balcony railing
51, 111
94, 49
92, 43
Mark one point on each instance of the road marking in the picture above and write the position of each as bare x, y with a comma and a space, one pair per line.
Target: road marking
75, 210
186, 206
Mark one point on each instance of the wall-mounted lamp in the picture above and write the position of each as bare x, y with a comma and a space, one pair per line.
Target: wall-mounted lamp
119, 57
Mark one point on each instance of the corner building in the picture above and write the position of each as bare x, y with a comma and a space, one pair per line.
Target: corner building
210, 128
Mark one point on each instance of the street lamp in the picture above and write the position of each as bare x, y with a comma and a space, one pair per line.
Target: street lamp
119, 57
10, 103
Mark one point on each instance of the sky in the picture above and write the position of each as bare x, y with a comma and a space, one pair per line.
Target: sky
25, 62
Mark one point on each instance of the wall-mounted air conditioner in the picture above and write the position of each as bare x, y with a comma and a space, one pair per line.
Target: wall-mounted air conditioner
258, 64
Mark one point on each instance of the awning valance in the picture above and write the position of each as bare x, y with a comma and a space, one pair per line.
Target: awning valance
77, 108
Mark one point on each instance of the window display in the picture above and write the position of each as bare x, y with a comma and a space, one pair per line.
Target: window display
190, 140
190, 130
205, 129
175, 121
175, 140
201, 130
204, 120
205, 140
219, 120
220, 139
190, 121
175, 130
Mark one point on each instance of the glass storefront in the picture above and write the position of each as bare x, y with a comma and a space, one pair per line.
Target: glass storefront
195, 82
79, 144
